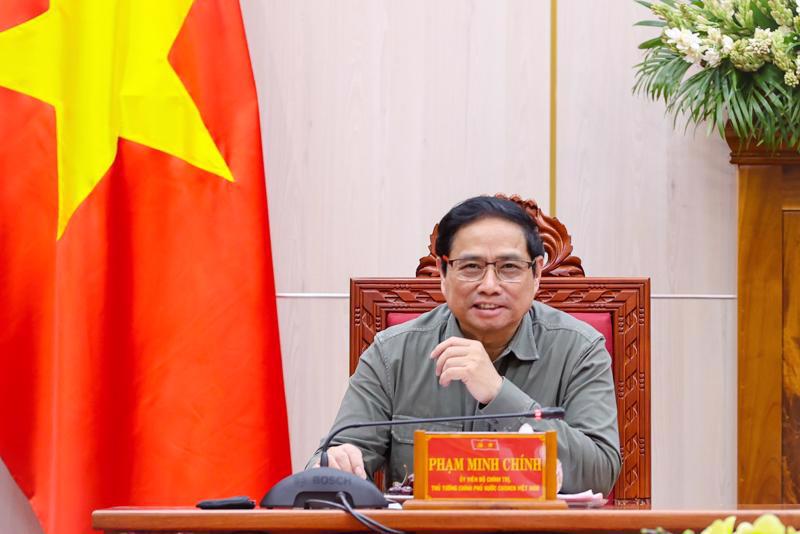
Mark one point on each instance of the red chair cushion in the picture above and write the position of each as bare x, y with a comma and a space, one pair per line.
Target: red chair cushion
600, 321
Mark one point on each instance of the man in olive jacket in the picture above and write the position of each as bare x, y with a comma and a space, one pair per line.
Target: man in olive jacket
490, 349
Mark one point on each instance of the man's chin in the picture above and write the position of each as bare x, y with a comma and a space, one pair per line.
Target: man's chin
484, 324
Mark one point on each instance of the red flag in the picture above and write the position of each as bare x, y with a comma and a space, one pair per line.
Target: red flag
139, 351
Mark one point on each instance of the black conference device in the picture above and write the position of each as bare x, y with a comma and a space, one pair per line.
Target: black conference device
242, 502
308, 488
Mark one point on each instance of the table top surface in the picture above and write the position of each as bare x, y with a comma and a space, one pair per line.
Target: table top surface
571, 520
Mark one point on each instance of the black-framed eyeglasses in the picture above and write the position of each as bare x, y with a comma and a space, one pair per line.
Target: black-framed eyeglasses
474, 269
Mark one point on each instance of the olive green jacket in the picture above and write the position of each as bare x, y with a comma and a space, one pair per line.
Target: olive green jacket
552, 360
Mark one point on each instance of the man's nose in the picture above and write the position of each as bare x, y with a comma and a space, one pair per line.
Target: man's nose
490, 282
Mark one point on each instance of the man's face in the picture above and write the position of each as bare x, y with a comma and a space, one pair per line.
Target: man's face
490, 310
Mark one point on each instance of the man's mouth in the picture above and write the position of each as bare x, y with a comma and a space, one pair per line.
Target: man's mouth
487, 306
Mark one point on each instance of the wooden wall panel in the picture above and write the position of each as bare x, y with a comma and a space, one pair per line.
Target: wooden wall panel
791, 357
760, 336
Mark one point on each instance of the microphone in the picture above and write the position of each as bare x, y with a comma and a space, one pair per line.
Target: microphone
324, 483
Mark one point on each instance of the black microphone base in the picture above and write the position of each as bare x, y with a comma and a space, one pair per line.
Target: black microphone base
323, 483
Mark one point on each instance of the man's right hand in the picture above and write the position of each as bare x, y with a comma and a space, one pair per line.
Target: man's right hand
347, 458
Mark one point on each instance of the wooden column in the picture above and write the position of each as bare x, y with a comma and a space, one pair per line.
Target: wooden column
769, 325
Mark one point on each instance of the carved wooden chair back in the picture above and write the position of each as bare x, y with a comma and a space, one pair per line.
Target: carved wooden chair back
618, 307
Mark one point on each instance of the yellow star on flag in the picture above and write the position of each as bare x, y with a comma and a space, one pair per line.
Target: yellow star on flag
103, 66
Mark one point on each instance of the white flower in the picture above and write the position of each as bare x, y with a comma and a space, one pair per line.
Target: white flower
686, 42
723, 42
762, 34
727, 44
761, 42
674, 34
712, 57
690, 40
693, 55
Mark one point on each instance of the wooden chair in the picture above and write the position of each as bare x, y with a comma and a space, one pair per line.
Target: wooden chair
617, 307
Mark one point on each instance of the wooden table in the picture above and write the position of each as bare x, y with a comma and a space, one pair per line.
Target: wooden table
188, 520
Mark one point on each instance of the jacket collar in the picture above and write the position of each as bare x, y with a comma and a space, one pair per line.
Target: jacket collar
522, 344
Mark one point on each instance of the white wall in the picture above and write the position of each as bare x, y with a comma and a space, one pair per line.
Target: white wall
643, 200
380, 115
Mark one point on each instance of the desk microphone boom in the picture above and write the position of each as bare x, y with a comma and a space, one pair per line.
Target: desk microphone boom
325, 482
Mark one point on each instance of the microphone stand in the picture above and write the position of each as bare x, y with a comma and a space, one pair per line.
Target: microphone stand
296, 490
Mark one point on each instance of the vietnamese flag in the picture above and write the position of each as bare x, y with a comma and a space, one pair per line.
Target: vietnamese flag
139, 350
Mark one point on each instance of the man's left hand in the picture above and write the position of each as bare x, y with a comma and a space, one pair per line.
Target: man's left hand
466, 360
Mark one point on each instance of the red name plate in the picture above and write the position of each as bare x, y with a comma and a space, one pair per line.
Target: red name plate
473, 465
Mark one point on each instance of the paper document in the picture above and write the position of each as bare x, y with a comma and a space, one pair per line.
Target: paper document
586, 499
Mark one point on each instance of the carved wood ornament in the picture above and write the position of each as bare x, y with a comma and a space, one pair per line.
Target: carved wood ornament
565, 287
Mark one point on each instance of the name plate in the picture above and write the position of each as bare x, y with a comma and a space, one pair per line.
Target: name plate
485, 466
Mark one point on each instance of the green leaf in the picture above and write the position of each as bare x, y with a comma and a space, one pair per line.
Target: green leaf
648, 5
761, 16
724, 102
741, 118
653, 23
651, 43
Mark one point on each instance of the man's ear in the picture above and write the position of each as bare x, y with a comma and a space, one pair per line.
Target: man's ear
538, 266
441, 275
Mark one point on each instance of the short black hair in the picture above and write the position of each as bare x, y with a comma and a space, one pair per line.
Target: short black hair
485, 207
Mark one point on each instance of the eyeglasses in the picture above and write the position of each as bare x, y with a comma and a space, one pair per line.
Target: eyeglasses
474, 269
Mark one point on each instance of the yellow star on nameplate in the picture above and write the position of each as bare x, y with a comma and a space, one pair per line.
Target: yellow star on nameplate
103, 66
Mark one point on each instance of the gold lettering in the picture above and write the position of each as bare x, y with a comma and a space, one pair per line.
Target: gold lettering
522, 464
445, 464
434, 464
483, 464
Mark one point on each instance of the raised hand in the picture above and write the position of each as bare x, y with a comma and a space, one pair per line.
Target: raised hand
467, 360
